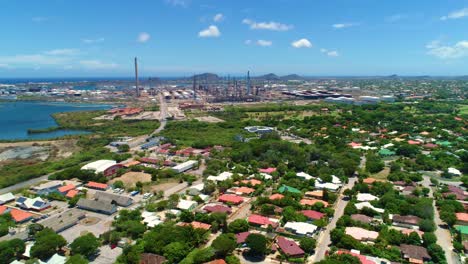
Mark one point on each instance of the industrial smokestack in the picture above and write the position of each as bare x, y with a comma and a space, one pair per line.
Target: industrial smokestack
136, 78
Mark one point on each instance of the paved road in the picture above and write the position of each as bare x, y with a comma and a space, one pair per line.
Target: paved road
25, 184
324, 240
444, 239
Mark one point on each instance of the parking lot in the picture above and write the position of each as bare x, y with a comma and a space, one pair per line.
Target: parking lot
93, 223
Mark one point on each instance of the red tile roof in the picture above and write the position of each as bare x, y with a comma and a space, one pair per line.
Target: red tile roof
261, 220
311, 214
230, 198
289, 247
241, 237
462, 217
3, 209
200, 225
217, 261
245, 190
97, 185
66, 188
414, 142
217, 208
72, 193
312, 202
361, 258
267, 170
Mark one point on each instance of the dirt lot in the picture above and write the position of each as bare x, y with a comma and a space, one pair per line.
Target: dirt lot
130, 178
164, 186
59, 148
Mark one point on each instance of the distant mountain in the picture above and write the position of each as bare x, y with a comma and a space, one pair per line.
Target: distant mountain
209, 77
292, 77
269, 77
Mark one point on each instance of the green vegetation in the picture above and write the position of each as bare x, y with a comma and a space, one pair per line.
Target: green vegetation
86, 245
11, 250
47, 244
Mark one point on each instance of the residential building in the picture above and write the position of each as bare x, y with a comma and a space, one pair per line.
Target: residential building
301, 228
221, 177
276, 196
6, 198
217, 208
97, 186
362, 205
313, 202
231, 198
362, 218
366, 197
407, 221
19, 216
241, 237
312, 215
262, 221
187, 205
285, 188
35, 204
120, 200
361, 234
289, 247
462, 218
414, 254
150, 258
97, 206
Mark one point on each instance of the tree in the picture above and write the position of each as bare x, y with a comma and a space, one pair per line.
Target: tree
426, 225
175, 251
11, 249
123, 148
232, 260
437, 253
224, 244
339, 259
47, 244
257, 244
86, 245
238, 226
77, 259
307, 244
119, 184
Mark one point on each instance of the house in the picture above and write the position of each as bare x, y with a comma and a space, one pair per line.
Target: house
262, 221
243, 190
312, 215
120, 200
150, 258
96, 206
301, 228
406, 231
462, 218
312, 202
196, 189
47, 187
71, 193
315, 194
19, 216
414, 254
362, 218
200, 225
106, 167
151, 219
35, 204
361, 234
217, 208
221, 177
366, 197
326, 185
285, 188
267, 170
386, 152
66, 188
231, 198
187, 205
304, 176
64, 220
457, 191
97, 186
251, 182
362, 205
149, 161
185, 166
276, 196
289, 247
370, 181
6, 198
241, 237
454, 172
217, 261
407, 221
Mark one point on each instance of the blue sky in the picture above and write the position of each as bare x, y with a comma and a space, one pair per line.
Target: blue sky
59, 38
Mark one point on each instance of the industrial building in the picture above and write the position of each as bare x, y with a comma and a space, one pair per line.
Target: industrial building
185, 166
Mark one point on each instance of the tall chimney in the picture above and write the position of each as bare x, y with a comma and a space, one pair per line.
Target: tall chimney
136, 78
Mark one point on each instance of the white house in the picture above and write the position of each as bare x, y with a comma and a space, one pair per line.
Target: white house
454, 172
304, 176
196, 189
360, 206
6, 198
187, 205
366, 197
185, 166
221, 177
301, 228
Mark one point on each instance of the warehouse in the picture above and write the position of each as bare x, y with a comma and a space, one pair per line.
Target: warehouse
106, 167
185, 166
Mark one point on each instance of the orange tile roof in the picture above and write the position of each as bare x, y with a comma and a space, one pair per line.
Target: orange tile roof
276, 196
462, 217
253, 182
19, 215
66, 188
245, 190
97, 185
317, 193
217, 261
312, 202
200, 225
131, 163
3, 209
72, 193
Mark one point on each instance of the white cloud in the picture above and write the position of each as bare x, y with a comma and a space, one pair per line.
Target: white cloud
39, 19
33, 59
302, 43
330, 53
97, 65
274, 26
456, 14
143, 37
264, 43
458, 50
211, 32
218, 17
92, 41
343, 25
181, 3
62, 52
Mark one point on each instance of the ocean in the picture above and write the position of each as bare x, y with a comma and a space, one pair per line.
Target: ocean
16, 117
